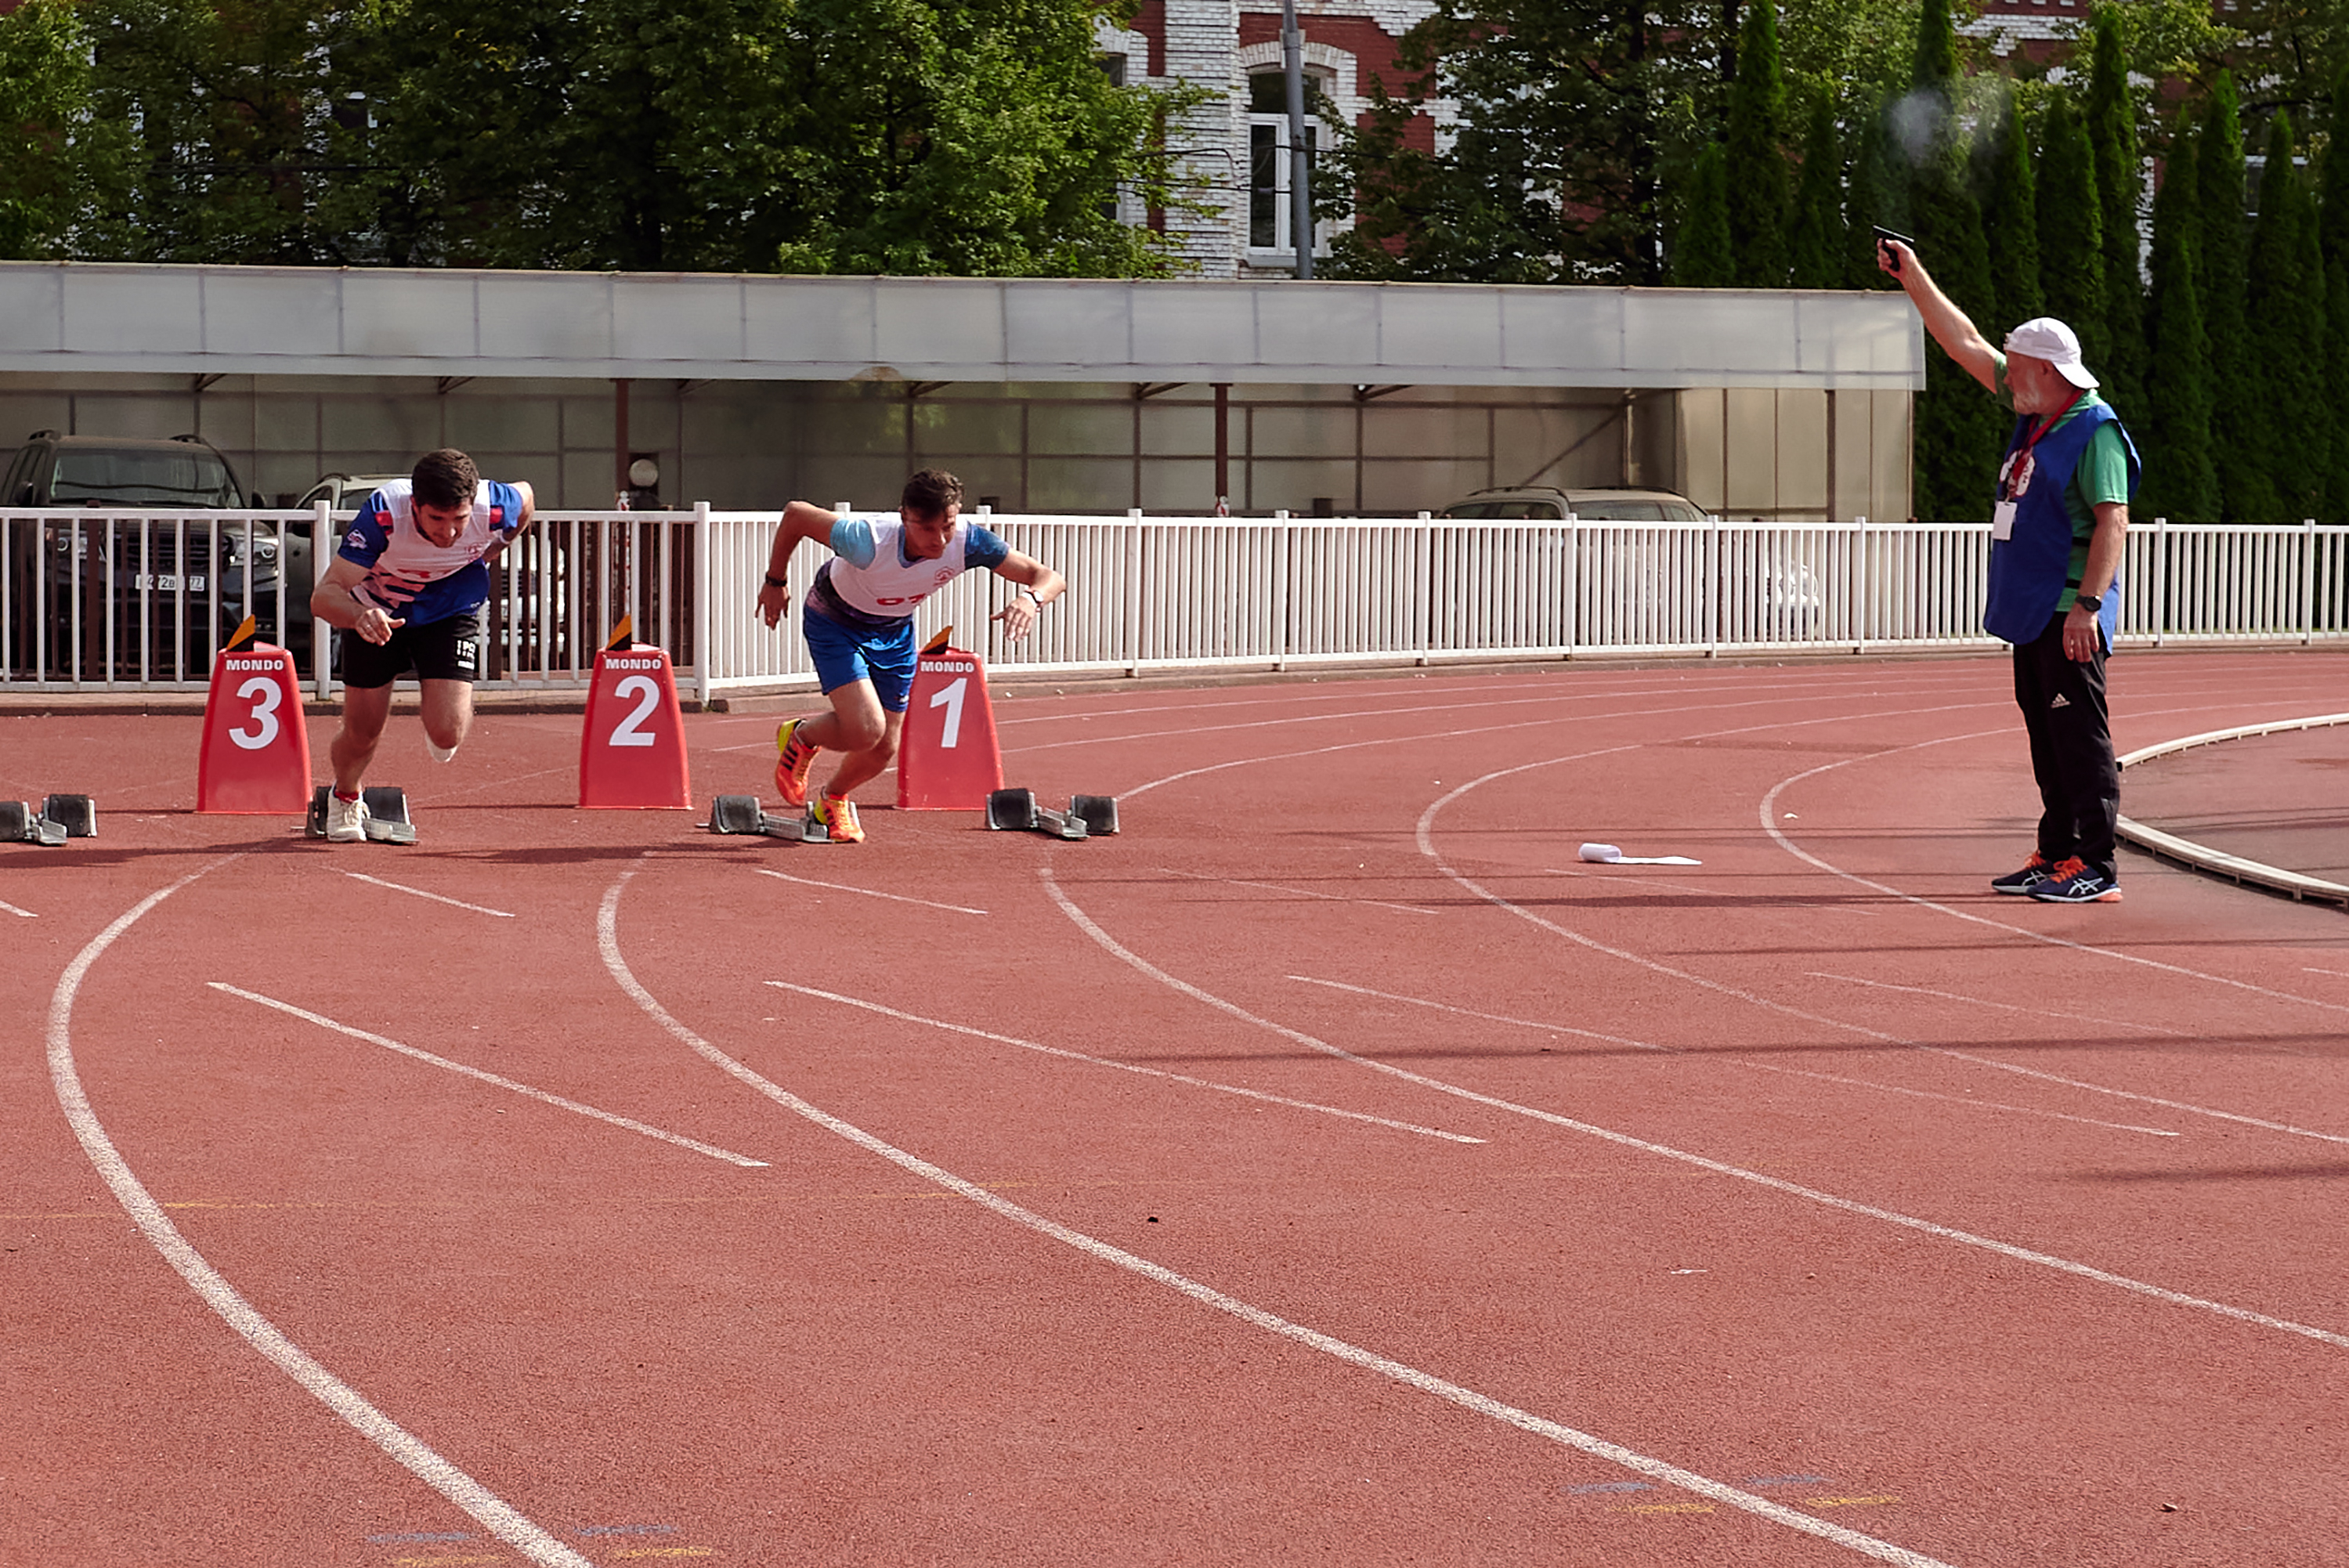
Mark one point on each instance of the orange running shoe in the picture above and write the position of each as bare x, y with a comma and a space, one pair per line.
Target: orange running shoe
796, 761
838, 814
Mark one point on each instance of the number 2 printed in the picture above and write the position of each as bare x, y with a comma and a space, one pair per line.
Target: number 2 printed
628, 732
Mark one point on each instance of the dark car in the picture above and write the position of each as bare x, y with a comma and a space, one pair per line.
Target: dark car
177, 587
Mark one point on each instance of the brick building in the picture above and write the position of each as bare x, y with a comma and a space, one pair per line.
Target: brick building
1235, 149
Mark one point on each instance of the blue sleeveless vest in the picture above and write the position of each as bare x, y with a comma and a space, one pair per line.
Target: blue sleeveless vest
2029, 572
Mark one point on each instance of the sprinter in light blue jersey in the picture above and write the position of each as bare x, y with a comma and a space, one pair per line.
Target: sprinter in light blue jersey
858, 618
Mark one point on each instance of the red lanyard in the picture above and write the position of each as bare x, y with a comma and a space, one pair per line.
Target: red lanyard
2020, 457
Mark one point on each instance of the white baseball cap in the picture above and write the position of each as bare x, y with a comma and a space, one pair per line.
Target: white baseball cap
2044, 338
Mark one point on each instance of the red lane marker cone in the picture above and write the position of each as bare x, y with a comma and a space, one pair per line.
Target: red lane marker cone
947, 759
632, 748
255, 755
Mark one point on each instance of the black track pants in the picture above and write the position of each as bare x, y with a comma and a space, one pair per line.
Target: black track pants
2063, 711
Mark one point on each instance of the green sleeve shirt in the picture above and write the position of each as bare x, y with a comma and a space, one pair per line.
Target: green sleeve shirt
2102, 476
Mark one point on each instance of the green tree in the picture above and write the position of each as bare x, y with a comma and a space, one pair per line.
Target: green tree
2112, 137
1816, 245
54, 150
2011, 195
2220, 263
2289, 464
2071, 231
1703, 250
1878, 198
2181, 482
1757, 152
1559, 161
1958, 427
2333, 240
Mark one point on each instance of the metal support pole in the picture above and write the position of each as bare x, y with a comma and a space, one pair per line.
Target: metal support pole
1300, 178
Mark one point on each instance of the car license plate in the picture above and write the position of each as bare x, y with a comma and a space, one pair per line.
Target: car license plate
164, 583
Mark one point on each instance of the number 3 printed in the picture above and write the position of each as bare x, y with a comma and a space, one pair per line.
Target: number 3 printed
264, 713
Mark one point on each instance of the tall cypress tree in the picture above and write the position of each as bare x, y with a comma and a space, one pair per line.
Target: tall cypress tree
1756, 168
2071, 232
2220, 266
1702, 257
2284, 298
1957, 428
2010, 205
2120, 181
1815, 245
1879, 196
2179, 482
2333, 234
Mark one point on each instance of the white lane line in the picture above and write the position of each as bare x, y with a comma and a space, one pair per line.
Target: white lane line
2042, 1074
1123, 1066
607, 939
487, 1509
1300, 891
868, 893
2306, 968
539, 1095
1742, 1062
1769, 806
1549, 722
12, 909
2002, 1007
1812, 1194
436, 898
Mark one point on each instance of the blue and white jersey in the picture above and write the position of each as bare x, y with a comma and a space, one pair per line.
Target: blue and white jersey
871, 584
410, 577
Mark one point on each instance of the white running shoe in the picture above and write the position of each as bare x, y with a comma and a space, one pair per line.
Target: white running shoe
345, 820
437, 754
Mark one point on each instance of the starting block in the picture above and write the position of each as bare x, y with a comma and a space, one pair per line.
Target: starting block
388, 821
1088, 816
743, 814
61, 817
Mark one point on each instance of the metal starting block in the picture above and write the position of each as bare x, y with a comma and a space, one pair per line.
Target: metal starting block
1088, 816
387, 821
743, 814
61, 817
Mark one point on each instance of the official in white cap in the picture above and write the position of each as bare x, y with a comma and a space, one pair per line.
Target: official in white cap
2056, 529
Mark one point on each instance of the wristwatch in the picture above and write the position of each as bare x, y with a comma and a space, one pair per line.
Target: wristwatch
775, 582
2094, 604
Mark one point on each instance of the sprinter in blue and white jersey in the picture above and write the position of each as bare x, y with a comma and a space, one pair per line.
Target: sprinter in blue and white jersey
858, 619
406, 588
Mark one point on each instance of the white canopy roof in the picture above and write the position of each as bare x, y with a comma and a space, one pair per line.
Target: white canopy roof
311, 321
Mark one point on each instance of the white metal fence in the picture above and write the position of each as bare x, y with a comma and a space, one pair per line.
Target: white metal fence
93, 599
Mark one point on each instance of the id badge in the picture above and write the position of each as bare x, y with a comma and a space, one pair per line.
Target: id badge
2001, 520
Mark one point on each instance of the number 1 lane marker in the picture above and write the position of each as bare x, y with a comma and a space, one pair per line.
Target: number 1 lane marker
608, 930
324, 1022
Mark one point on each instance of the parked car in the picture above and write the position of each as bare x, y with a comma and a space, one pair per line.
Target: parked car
1788, 602
1536, 503
159, 569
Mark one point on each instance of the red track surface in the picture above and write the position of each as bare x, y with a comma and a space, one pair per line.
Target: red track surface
1818, 1188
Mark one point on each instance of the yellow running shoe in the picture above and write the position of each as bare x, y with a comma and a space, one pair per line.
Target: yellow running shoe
796, 761
838, 814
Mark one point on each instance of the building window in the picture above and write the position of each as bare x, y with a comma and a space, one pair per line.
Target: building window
1114, 67
1269, 162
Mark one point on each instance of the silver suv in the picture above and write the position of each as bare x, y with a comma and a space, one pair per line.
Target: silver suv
1547, 503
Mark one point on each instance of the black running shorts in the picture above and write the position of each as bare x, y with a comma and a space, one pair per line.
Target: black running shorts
448, 650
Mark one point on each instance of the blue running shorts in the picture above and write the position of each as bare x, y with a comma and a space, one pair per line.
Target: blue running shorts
843, 656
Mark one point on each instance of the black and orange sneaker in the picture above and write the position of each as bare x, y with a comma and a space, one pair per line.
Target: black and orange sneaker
2034, 873
838, 815
2074, 881
795, 759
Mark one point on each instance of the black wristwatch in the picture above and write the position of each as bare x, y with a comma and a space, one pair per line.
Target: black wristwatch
775, 582
2094, 604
